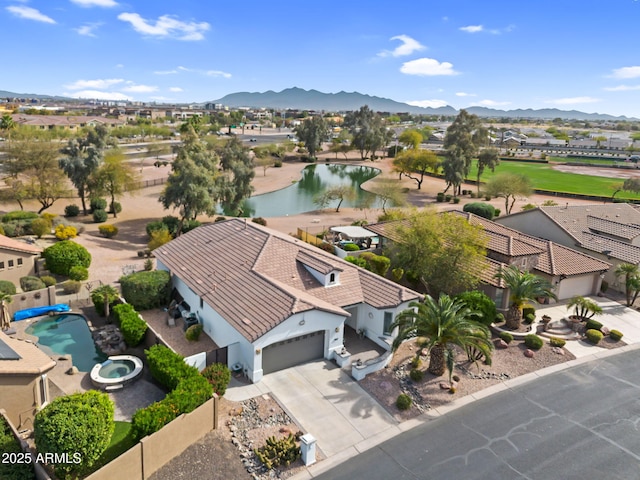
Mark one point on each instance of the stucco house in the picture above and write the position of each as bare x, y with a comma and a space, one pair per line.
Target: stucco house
17, 259
273, 301
609, 232
24, 385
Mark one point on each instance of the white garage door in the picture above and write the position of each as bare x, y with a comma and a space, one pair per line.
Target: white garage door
293, 351
574, 286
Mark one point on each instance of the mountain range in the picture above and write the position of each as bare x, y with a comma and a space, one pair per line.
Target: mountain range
300, 99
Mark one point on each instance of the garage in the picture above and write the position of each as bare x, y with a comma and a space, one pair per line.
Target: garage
293, 351
574, 286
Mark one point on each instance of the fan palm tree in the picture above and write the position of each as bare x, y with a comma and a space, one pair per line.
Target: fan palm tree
584, 308
523, 287
631, 274
444, 323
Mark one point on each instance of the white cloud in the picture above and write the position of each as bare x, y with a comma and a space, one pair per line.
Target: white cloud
166, 26
428, 103
472, 28
573, 100
465, 94
29, 14
133, 88
427, 67
165, 72
622, 88
87, 30
99, 95
175, 89
626, 72
408, 46
217, 73
493, 103
95, 3
98, 84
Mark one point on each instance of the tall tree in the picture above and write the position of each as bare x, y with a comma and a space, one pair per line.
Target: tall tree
462, 141
509, 186
442, 251
453, 172
524, 287
444, 323
415, 163
388, 191
339, 192
81, 159
631, 274
488, 158
191, 186
234, 184
7, 125
368, 131
411, 138
313, 132
114, 177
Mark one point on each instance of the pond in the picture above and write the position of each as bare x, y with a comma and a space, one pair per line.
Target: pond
316, 179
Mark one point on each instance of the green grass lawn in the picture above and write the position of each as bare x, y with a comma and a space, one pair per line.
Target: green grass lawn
121, 441
544, 177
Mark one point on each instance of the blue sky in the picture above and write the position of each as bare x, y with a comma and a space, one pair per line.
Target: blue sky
563, 54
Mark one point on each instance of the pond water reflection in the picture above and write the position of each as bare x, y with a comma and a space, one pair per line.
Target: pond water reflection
316, 179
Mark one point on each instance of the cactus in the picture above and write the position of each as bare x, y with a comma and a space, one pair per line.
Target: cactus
277, 452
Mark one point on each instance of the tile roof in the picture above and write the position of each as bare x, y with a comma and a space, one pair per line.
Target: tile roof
611, 227
33, 361
17, 245
256, 278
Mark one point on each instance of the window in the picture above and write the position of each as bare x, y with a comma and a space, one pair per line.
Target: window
1, 265
201, 303
332, 278
43, 390
19, 262
388, 320
10, 263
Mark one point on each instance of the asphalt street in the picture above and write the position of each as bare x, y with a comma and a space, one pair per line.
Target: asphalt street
580, 423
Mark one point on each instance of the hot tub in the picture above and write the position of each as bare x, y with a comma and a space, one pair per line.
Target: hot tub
116, 372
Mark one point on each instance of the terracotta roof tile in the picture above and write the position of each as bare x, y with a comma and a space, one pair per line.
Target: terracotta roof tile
18, 245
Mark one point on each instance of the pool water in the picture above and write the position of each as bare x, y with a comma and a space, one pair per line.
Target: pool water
117, 369
68, 334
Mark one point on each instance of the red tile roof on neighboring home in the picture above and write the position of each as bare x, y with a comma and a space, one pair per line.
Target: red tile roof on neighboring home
7, 243
256, 278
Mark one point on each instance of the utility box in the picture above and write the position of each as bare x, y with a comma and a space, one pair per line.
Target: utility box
308, 449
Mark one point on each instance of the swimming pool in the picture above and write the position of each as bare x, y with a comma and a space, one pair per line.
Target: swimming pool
68, 334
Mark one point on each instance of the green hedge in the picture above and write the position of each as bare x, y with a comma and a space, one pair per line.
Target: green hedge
133, 327
166, 366
146, 290
62, 256
9, 444
19, 215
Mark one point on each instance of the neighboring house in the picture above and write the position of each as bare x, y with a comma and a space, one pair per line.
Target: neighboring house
570, 271
66, 122
273, 301
17, 259
609, 232
24, 386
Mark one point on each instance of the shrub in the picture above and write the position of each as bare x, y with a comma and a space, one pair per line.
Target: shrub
108, 230
594, 336
78, 424
416, 362
480, 302
97, 204
533, 342
155, 226
260, 221
219, 219
615, 335
456, 200
416, 375
172, 224
61, 256
593, 325
278, 452
191, 392
487, 198
151, 419
277, 163
100, 216
78, 273
440, 197
485, 210
557, 342
29, 284
193, 332
48, 280
529, 310
10, 445
403, 402
40, 227
159, 238
448, 197
133, 327
528, 206
327, 247
219, 376
18, 215
71, 286
166, 366
7, 287
64, 232
604, 286
148, 265
145, 290
102, 293
115, 207
9, 230
499, 318
189, 225
2, 231
71, 211
529, 318
496, 212
506, 336
350, 247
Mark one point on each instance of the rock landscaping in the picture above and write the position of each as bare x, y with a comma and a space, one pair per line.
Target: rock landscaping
109, 339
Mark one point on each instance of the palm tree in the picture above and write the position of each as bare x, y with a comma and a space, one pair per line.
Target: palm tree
584, 308
523, 287
7, 124
631, 273
444, 323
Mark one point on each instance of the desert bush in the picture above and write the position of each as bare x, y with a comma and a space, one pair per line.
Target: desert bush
61, 256
506, 336
448, 197
133, 327
481, 303
115, 207
48, 280
65, 232
593, 325
615, 335
155, 226
485, 210
29, 284
18, 215
159, 238
71, 286
440, 197
260, 221
78, 273
78, 425
594, 336
219, 376
148, 265
533, 342
7, 287
71, 211
97, 204
529, 318
102, 293
378, 264
219, 219
189, 225
416, 362
350, 247
278, 452
403, 402
145, 290
456, 200
416, 375
100, 216
193, 332
557, 342
40, 227
529, 310
108, 230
